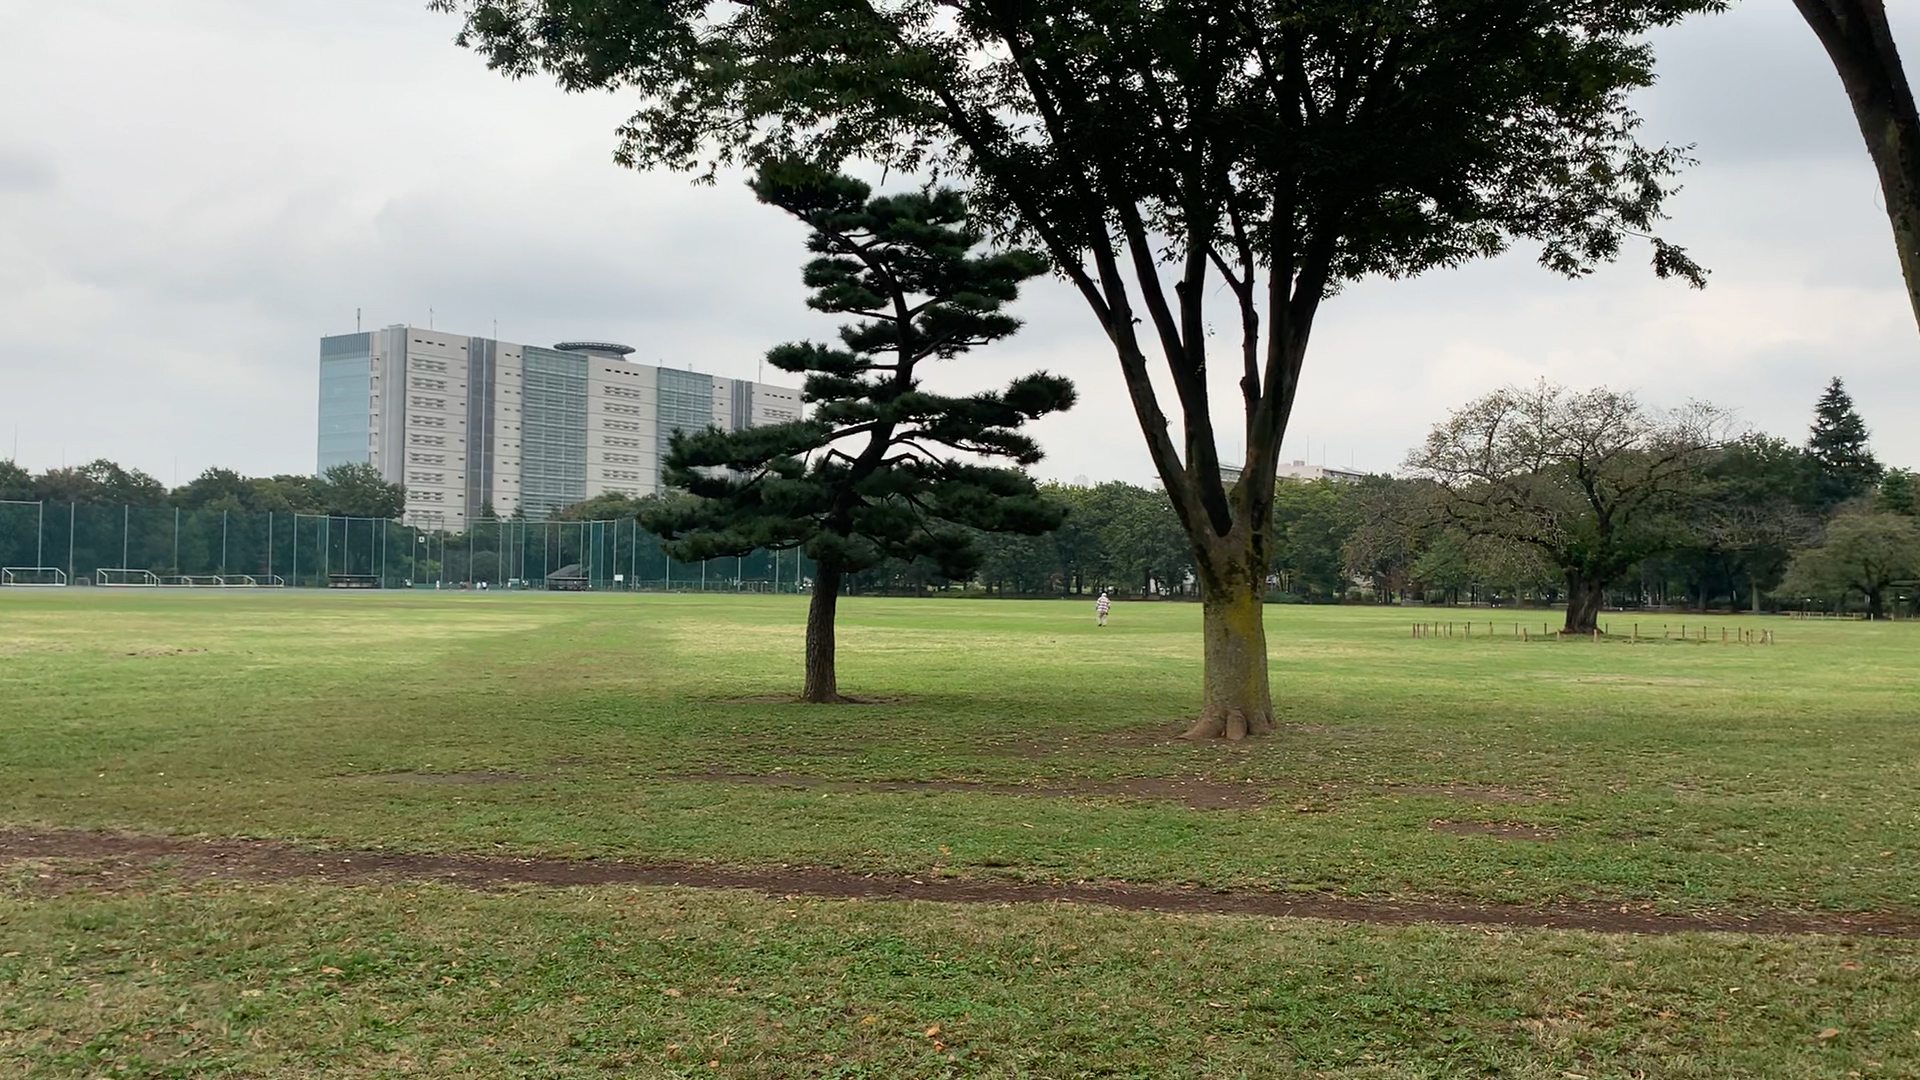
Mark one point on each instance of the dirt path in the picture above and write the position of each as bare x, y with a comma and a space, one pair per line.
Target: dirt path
105, 861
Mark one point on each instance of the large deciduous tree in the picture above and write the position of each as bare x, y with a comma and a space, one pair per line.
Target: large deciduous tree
881, 468
1859, 41
1311, 522
356, 489
16, 483
1896, 494
1863, 553
1592, 480
1757, 504
1170, 156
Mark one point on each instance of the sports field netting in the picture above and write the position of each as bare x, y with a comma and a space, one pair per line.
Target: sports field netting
166, 546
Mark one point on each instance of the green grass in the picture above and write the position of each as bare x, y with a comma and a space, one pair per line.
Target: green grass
1682, 776
280, 982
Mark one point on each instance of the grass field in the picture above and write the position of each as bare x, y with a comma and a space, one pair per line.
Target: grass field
1006, 740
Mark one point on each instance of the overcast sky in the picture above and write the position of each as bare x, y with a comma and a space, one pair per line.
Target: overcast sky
192, 192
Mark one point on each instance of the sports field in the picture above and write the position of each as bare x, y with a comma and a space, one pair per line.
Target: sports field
426, 835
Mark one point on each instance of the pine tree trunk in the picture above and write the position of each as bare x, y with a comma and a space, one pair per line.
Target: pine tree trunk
1584, 597
1860, 43
1239, 698
823, 686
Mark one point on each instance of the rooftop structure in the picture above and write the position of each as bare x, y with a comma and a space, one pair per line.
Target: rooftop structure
1298, 470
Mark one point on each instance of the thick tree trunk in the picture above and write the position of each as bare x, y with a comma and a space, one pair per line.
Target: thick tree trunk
1876, 605
1860, 43
1584, 596
823, 685
1239, 698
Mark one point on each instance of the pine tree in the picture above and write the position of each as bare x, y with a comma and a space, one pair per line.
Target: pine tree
880, 468
1838, 444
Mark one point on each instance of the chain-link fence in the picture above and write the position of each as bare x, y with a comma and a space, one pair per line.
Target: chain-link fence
79, 543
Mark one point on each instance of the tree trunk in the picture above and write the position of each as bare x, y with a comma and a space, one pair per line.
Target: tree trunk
823, 685
1860, 43
1584, 597
1239, 699
1876, 605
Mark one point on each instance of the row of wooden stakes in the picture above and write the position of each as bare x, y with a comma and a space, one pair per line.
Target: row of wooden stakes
1735, 636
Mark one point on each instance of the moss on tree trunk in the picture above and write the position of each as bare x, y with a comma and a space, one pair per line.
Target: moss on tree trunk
1238, 698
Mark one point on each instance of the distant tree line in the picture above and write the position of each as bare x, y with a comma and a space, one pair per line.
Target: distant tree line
353, 490
1567, 491
1593, 499
1584, 497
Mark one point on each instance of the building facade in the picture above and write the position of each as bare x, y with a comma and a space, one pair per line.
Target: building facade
467, 422
1298, 470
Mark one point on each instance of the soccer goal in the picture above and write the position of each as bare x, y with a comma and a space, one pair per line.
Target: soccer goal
120, 577
191, 581
43, 577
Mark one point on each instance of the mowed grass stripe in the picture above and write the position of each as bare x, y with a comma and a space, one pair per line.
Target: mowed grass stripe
1680, 775
282, 981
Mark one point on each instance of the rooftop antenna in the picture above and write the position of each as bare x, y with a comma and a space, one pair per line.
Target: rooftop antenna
356, 320
429, 318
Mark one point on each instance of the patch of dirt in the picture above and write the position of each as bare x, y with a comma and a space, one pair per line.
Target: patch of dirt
120, 860
1196, 793
163, 650
442, 778
1502, 830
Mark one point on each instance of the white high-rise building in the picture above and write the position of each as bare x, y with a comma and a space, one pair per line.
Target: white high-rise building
465, 422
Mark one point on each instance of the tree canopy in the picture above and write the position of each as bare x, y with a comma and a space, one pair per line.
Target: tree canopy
1155, 151
1865, 553
881, 467
1592, 480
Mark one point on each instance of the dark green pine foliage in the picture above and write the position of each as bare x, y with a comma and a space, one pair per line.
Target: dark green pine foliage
1838, 444
880, 467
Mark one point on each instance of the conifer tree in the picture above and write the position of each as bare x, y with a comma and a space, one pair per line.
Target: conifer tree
1838, 445
881, 467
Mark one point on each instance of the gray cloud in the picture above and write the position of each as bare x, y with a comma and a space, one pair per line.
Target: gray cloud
21, 172
214, 185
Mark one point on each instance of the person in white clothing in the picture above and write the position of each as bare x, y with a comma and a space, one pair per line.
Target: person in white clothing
1101, 607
